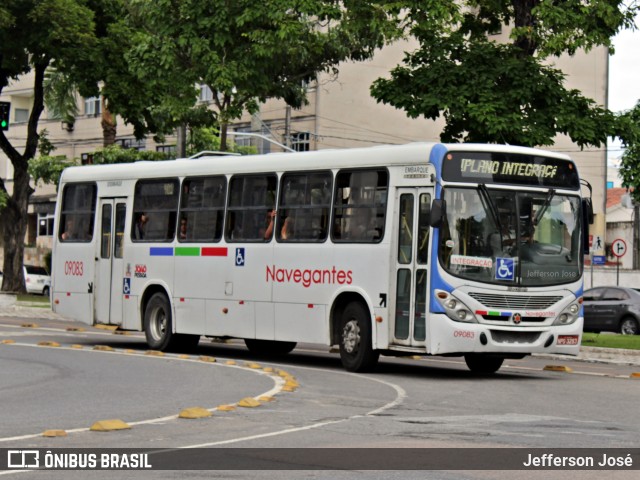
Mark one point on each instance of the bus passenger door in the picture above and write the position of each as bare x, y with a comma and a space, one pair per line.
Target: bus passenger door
410, 258
109, 286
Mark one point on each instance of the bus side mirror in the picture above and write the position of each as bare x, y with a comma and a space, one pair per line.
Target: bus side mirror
587, 219
438, 213
587, 211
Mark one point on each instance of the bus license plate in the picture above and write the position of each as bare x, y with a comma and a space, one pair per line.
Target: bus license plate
568, 339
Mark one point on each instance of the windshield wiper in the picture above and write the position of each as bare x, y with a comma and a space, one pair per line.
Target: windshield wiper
543, 208
484, 194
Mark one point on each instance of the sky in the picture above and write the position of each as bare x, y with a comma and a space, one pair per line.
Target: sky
624, 77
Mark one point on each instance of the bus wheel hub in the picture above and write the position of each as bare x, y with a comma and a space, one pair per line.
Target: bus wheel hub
351, 336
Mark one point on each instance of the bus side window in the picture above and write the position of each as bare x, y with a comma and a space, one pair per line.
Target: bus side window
251, 198
157, 201
202, 209
360, 206
304, 207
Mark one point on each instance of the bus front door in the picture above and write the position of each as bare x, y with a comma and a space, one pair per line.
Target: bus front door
411, 266
108, 283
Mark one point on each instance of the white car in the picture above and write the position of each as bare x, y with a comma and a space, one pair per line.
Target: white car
37, 280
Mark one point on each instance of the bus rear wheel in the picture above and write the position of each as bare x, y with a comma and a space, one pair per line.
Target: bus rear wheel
483, 364
356, 350
158, 327
269, 347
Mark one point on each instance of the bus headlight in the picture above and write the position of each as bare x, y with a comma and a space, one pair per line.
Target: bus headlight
454, 308
568, 315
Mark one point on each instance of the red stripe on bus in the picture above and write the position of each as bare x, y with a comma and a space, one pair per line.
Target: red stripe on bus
214, 251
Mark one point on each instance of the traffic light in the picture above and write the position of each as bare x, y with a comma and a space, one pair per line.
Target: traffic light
5, 109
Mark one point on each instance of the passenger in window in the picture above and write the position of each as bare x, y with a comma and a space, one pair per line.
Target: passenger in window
182, 233
270, 221
140, 226
286, 232
69, 230
363, 226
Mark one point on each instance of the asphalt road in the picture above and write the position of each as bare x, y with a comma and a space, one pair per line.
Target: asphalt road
77, 378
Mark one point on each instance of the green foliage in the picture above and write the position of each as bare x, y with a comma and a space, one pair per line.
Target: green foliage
208, 139
499, 89
47, 169
630, 166
630, 342
47, 260
246, 51
116, 154
59, 96
45, 147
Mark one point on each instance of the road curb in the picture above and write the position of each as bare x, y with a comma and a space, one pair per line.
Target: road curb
10, 308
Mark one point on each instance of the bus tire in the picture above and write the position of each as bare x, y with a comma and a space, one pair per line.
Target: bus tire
269, 347
158, 325
356, 350
483, 364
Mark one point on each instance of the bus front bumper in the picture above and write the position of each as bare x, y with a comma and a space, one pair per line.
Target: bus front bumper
450, 337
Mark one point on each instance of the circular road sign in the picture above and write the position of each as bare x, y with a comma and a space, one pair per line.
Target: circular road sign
619, 247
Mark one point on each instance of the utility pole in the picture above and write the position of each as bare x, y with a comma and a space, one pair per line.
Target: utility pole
181, 141
636, 235
287, 126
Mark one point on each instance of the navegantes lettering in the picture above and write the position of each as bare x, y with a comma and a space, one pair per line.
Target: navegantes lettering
308, 277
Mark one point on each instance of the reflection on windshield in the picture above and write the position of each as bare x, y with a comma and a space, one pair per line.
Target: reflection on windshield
495, 238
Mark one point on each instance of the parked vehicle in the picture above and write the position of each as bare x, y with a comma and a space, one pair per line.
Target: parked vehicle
37, 280
612, 309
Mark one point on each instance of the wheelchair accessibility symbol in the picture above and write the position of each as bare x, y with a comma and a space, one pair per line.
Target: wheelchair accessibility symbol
505, 269
126, 286
239, 257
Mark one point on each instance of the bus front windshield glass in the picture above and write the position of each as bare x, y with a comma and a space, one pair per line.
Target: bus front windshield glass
511, 238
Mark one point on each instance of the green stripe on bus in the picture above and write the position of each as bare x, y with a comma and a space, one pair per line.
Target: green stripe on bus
187, 251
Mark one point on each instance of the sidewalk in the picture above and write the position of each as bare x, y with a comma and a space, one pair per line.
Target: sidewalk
10, 308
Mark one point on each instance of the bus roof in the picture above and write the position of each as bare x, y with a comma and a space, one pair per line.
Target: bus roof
387, 155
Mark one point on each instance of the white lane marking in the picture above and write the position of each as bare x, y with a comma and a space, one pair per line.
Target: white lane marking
277, 380
401, 395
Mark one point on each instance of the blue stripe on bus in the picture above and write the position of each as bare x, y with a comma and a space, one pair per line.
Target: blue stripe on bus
161, 251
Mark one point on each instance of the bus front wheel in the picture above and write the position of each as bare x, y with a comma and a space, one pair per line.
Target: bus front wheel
356, 351
158, 327
483, 364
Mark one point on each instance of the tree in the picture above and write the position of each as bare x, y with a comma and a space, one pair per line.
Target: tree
506, 90
247, 51
208, 139
32, 34
630, 166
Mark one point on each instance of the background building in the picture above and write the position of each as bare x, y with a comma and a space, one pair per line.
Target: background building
340, 114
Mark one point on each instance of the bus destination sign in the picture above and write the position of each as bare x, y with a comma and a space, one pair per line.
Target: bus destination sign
515, 169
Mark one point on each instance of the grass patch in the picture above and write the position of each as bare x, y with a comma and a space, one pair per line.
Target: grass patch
33, 301
631, 342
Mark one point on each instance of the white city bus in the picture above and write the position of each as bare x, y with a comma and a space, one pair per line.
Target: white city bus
420, 249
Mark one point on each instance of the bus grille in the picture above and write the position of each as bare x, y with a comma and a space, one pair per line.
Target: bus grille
499, 336
519, 302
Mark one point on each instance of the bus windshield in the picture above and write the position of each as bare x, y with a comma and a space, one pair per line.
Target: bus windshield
511, 238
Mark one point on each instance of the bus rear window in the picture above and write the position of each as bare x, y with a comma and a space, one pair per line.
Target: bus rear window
77, 213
